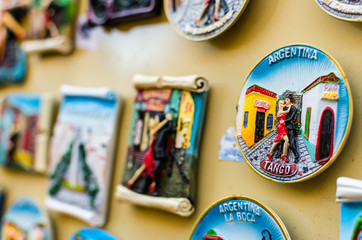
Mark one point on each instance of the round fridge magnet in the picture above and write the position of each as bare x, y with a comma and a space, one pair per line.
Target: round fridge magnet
25, 220
200, 20
294, 113
92, 234
239, 218
348, 10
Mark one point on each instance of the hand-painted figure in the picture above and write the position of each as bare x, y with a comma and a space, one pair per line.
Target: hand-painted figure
40, 20
282, 131
212, 8
292, 137
155, 158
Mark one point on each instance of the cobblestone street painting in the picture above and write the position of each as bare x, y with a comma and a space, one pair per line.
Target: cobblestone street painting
293, 114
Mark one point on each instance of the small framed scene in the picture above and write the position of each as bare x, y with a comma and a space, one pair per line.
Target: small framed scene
163, 146
82, 153
41, 25
294, 114
25, 129
26, 220
110, 12
348, 10
239, 217
200, 20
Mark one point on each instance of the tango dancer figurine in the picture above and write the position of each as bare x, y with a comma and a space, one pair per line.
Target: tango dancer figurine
155, 157
282, 131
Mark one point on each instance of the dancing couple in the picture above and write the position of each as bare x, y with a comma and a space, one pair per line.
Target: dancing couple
286, 136
212, 9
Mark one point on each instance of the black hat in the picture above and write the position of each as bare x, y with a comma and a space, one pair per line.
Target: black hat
290, 96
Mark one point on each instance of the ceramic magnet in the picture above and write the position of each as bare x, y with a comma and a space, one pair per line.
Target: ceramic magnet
239, 218
200, 20
82, 153
348, 10
25, 127
12, 58
162, 157
41, 25
349, 194
13, 66
115, 11
293, 114
92, 234
25, 220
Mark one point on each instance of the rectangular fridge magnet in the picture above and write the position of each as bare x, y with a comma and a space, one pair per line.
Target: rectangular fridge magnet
110, 12
49, 26
349, 194
25, 128
40, 26
165, 133
82, 153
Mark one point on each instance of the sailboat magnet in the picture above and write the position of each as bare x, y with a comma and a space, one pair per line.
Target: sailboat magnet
81, 153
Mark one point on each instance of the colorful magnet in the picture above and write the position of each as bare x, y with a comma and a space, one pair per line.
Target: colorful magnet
349, 194
115, 11
166, 126
348, 10
92, 234
82, 153
294, 114
25, 220
12, 58
239, 218
25, 127
41, 25
203, 19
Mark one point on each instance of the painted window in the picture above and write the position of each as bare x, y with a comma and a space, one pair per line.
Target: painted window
307, 123
269, 122
246, 115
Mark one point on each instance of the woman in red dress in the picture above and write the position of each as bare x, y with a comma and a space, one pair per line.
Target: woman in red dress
282, 132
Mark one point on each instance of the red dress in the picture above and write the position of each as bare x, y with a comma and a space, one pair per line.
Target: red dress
149, 161
282, 129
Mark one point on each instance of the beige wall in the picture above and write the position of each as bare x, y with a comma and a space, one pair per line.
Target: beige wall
308, 209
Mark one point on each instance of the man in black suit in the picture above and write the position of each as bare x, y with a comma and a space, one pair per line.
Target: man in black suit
293, 138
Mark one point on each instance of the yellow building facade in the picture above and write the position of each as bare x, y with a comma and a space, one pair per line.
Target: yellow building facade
258, 115
12, 232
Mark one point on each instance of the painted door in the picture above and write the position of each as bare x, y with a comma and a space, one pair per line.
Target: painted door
325, 135
259, 126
